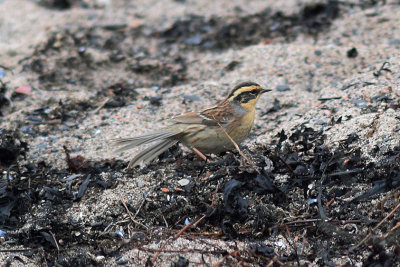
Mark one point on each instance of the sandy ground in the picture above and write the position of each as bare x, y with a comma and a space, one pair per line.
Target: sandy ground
323, 84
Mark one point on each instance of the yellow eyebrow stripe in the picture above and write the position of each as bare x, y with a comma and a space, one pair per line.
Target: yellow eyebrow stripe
245, 89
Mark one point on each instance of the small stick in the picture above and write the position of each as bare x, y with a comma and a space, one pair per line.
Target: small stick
322, 99
294, 247
330, 202
130, 216
178, 235
153, 260
55, 241
387, 217
18, 250
286, 164
101, 105
189, 225
375, 228
140, 207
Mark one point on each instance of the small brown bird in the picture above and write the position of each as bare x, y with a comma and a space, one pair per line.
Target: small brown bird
202, 130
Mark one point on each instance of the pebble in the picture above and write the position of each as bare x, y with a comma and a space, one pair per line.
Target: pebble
27, 130
322, 121
100, 258
121, 262
282, 88
187, 221
156, 100
395, 42
2, 233
352, 53
119, 233
312, 201
360, 103
183, 182
194, 40
318, 52
191, 97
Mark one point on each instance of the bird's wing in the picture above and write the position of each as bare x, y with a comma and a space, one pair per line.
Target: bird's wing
209, 117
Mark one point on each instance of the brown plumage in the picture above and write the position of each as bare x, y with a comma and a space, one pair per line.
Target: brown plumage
202, 129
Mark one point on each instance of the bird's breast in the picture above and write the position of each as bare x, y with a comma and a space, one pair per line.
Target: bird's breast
214, 139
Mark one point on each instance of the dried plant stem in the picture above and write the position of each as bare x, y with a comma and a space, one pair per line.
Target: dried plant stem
176, 237
375, 228
130, 216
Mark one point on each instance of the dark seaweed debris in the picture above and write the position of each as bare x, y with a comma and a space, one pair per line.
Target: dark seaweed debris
57, 4
4, 100
240, 204
74, 56
11, 147
305, 189
222, 33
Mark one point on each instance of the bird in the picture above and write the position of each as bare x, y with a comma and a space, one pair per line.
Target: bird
205, 131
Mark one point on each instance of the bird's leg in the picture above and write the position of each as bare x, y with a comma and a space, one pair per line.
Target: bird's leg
243, 160
200, 155
202, 168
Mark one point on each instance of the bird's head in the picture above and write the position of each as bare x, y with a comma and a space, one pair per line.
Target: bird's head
246, 95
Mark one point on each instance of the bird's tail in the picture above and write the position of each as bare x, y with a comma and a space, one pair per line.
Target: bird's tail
152, 152
166, 139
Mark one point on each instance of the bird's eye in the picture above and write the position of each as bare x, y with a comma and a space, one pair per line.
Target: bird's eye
254, 92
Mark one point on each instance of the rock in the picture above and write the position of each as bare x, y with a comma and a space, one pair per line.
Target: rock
282, 88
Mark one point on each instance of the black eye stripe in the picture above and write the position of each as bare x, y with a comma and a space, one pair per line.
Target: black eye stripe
252, 93
245, 97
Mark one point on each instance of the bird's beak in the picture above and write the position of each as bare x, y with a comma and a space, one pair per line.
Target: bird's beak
265, 90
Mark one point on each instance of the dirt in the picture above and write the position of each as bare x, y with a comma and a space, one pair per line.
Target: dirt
322, 185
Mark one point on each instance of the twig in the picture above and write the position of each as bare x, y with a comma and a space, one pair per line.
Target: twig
301, 221
294, 247
232, 254
237, 147
330, 202
375, 228
101, 105
321, 210
189, 225
387, 217
140, 207
311, 221
272, 261
199, 220
176, 237
193, 250
319, 202
357, 83
323, 99
286, 164
18, 250
130, 216
55, 241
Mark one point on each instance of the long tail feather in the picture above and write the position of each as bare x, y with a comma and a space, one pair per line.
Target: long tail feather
128, 143
151, 152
